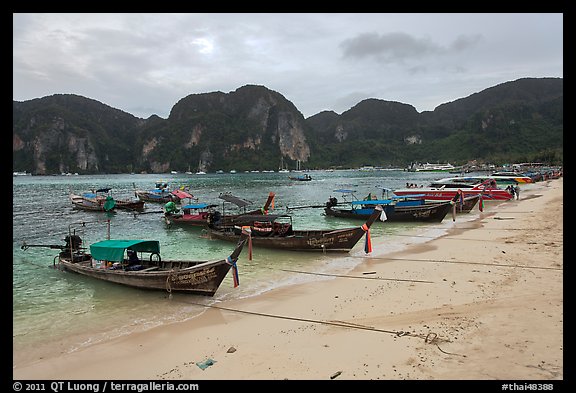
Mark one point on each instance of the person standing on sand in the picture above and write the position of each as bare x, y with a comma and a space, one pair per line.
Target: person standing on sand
511, 190
516, 191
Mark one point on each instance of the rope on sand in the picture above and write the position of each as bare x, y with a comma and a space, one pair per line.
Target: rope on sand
460, 238
461, 262
347, 276
430, 338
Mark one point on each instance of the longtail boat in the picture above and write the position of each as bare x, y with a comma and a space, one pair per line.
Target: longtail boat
271, 231
137, 263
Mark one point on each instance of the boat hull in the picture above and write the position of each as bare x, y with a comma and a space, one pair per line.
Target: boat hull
342, 240
434, 212
202, 278
79, 202
154, 197
438, 194
129, 205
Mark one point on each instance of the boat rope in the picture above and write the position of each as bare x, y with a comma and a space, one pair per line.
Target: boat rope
429, 338
348, 276
493, 229
459, 262
36, 264
168, 286
461, 238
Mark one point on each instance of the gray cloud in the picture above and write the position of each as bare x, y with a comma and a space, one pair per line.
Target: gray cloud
398, 47
144, 63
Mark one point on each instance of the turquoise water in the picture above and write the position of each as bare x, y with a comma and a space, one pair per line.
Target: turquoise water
55, 311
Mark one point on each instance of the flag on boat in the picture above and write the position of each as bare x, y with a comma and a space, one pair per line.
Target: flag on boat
273, 195
234, 271
368, 241
248, 231
383, 216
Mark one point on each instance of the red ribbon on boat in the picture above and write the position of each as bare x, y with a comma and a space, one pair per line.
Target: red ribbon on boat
248, 231
368, 242
234, 271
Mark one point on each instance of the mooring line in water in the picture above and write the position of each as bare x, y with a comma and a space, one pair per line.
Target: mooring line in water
348, 276
35, 264
459, 262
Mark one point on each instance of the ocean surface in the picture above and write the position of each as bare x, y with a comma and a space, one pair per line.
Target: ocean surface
56, 312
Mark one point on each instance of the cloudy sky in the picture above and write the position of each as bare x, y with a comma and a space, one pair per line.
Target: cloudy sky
145, 63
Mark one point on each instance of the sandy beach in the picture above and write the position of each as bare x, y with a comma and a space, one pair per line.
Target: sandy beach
483, 302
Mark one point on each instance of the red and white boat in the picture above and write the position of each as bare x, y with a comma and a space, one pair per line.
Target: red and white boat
440, 191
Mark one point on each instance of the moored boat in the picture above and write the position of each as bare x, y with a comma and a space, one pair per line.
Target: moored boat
137, 263
415, 167
203, 214
272, 232
304, 177
194, 214
127, 204
91, 204
162, 194
394, 211
438, 191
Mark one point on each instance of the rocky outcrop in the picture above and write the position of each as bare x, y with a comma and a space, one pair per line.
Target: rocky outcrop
254, 127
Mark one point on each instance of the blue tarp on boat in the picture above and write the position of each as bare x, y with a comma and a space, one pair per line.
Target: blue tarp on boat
198, 206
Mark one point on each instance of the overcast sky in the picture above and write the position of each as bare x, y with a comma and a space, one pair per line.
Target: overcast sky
144, 64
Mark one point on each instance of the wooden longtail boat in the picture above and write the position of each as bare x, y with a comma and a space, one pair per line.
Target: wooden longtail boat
203, 214
270, 232
91, 204
195, 214
114, 261
434, 212
161, 194
93, 201
101, 195
409, 208
448, 190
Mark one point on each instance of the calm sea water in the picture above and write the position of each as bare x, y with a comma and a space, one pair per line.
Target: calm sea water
59, 311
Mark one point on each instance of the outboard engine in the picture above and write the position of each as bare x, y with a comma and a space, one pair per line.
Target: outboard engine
72, 247
331, 202
214, 219
73, 242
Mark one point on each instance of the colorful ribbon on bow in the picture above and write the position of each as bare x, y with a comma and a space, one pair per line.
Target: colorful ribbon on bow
246, 230
234, 271
368, 241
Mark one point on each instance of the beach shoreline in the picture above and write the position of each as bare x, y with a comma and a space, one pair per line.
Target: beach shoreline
484, 301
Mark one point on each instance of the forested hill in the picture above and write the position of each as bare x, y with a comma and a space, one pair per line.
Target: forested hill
254, 127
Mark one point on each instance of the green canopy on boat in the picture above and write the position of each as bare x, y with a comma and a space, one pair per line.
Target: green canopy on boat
113, 250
